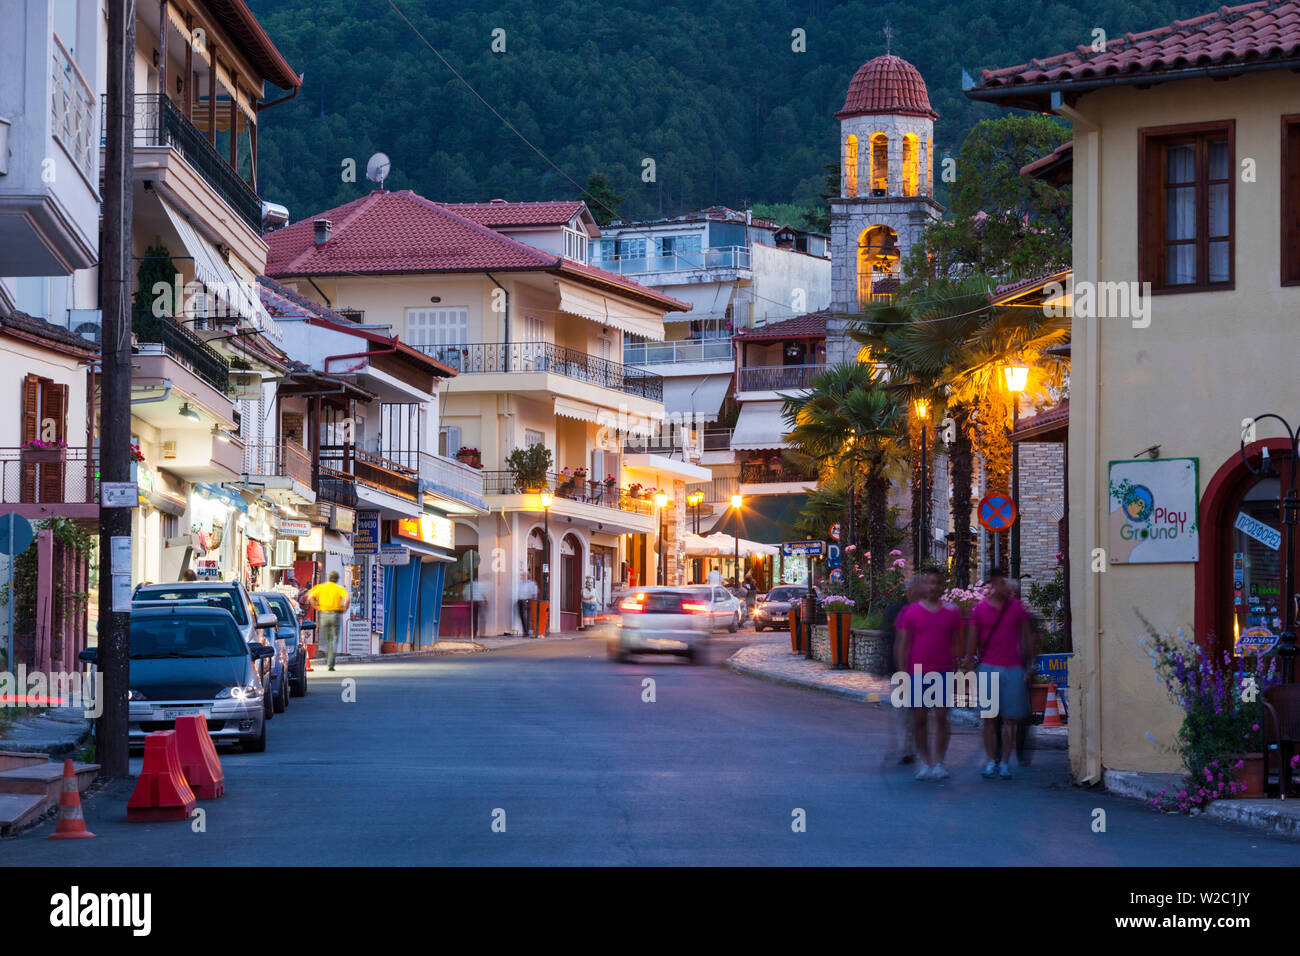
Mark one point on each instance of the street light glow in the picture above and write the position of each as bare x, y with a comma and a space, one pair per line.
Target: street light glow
922, 408
661, 499
1016, 376
547, 498
737, 501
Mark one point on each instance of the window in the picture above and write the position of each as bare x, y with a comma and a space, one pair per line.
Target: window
622, 248
449, 441
680, 245
532, 437
437, 327
575, 245
1291, 200
911, 165
1185, 207
851, 166
534, 328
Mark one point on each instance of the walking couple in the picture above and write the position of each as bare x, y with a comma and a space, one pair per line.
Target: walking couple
996, 640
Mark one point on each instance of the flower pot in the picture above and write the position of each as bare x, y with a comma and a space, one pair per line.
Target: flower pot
388, 647
841, 624
1038, 698
1251, 773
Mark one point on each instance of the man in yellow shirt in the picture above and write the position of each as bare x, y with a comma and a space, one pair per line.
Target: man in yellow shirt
330, 600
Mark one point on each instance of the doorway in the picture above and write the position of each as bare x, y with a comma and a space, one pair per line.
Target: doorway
570, 583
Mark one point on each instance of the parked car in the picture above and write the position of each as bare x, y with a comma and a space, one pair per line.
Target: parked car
280, 662
291, 627
671, 620
773, 610
189, 657
230, 595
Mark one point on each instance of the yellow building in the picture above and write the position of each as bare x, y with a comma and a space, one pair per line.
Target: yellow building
503, 294
1186, 172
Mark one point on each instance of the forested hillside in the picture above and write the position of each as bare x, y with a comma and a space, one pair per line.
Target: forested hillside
711, 92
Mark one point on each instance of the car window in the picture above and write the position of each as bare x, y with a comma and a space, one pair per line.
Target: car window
225, 595
720, 595
181, 635
785, 594
280, 605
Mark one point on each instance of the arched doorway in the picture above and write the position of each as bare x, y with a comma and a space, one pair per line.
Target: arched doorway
878, 257
570, 583
538, 548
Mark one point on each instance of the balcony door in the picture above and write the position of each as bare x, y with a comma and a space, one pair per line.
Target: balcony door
44, 438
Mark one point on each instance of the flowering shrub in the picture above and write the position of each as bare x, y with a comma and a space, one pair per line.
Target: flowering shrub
1215, 782
37, 445
838, 604
965, 598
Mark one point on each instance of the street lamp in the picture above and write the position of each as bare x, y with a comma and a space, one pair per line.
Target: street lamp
923, 546
546, 498
1016, 375
695, 499
736, 502
661, 501
1285, 647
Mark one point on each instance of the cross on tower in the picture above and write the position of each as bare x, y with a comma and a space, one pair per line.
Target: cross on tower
888, 33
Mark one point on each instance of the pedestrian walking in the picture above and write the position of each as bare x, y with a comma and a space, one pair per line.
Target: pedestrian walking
929, 637
478, 597
330, 600
998, 640
527, 594
905, 736
715, 577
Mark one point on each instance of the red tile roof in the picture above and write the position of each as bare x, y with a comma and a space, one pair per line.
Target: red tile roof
887, 84
809, 326
499, 213
1226, 41
393, 233
1048, 425
1056, 168
239, 21
1012, 290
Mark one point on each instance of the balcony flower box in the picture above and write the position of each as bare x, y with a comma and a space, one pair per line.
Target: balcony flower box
44, 453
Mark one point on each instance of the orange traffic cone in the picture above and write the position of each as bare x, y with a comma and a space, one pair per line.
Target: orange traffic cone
1051, 714
311, 652
71, 824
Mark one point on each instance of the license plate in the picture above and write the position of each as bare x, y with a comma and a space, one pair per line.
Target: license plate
171, 713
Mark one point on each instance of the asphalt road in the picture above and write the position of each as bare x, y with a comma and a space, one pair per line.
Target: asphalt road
559, 738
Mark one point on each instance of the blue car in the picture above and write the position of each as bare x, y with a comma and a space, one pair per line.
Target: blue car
279, 675
290, 627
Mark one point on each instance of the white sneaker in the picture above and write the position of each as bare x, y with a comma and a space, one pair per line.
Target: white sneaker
990, 769
938, 772
924, 772
1004, 771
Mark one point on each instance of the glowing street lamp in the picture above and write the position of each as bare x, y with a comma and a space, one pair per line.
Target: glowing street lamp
737, 502
922, 408
695, 499
546, 499
661, 502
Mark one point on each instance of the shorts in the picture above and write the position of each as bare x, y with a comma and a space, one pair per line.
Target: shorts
1013, 693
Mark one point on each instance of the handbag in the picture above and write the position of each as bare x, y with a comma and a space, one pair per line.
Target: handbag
984, 642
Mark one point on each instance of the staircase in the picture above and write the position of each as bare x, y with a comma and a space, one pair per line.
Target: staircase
31, 783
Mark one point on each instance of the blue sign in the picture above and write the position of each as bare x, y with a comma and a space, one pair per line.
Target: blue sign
21, 529
1056, 666
834, 557
806, 549
365, 536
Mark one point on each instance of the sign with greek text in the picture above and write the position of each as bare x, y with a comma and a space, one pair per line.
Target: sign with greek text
1254, 528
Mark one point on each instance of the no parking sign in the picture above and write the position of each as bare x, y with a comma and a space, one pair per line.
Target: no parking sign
997, 512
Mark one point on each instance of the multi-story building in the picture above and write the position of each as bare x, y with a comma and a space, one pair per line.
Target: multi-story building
504, 295
1186, 281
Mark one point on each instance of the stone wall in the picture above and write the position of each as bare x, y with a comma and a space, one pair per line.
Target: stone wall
868, 650
1042, 504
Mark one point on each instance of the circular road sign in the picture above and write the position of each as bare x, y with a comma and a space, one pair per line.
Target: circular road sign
835, 531
997, 512
22, 532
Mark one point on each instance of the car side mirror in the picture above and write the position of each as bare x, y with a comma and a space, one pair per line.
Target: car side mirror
260, 652
266, 620
307, 625
89, 655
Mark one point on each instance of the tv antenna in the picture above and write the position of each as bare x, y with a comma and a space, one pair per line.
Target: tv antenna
377, 168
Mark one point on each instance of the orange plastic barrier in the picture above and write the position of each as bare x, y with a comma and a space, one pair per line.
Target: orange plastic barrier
198, 757
162, 792
71, 824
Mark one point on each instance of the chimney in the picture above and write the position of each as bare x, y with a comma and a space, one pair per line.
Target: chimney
323, 227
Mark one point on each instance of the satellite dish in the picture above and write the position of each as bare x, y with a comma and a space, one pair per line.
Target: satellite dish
377, 168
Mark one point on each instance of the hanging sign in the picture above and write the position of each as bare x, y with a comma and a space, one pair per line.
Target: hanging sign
365, 539
807, 549
1153, 511
294, 527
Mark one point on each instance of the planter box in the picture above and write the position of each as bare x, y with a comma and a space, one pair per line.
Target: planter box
841, 626
1251, 774
44, 456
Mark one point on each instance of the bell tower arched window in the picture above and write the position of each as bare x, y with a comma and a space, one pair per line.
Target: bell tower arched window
879, 165
851, 165
911, 165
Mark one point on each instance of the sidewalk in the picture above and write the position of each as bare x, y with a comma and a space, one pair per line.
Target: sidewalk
1280, 817
58, 731
772, 660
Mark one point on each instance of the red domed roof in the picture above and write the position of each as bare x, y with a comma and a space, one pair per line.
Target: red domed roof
887, 84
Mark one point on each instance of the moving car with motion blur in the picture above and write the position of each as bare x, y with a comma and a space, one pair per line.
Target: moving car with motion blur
671, 620
773, 610
189, 657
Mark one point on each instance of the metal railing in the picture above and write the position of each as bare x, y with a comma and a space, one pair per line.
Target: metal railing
717, 439
73, 109
504, 483
288, 459
720, 257
717, 491
767, 473
333, 485
184, 346
677, 351
160, 122
867, 295
349, 462
450, 477
765, 378
48, 476
484, 357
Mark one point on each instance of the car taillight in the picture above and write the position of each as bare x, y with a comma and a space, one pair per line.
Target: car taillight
633, 605
692, 608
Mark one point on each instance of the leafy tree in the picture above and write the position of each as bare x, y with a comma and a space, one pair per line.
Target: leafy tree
602, 200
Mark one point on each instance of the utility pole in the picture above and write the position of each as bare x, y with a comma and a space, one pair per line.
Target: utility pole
115, 403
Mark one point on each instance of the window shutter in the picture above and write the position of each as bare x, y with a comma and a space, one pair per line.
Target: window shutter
31, 395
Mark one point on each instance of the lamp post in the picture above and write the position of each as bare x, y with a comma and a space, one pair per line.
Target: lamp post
923, 529
695, 499
1016, 375
736, 502
1285, 648
661, 501
546, 498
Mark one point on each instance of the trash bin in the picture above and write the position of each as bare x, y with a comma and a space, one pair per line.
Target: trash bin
795, 627
541, 615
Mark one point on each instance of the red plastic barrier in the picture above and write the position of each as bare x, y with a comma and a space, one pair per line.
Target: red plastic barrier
162, 792
198, 757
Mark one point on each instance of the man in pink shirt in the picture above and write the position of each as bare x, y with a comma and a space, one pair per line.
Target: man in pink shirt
998, 640
929, 636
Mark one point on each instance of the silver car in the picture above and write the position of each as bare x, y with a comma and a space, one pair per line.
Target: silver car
671, 620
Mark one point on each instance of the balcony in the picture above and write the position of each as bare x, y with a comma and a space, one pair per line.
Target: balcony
489, 357
503, 483
678, 352
159, 122
770, 473
721, 257
184, 346
344, 465
40, 483
444, 477
767, 378
74, 110
717, 439
868, 284
282, 471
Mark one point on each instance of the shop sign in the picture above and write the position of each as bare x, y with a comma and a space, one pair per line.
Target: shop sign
433, 530
294, 527
245, 387
365, 540
358, 636
390, 555
206, 569
1255, 639
119, 494
313, 542
1270, 538
807, 549
343, 519
376, 598
1153, 511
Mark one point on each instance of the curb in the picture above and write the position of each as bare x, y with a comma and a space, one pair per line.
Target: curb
1272, 816
62, 748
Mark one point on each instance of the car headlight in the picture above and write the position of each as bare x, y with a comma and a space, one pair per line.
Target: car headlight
135, 695
248, 692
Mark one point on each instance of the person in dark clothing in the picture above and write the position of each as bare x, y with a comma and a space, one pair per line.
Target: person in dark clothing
906, 743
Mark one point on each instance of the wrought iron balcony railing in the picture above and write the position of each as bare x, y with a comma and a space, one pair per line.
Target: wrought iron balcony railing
348, 461
766, 378
160, 122
486, 357
287, 459
184, 346
504, 483
73, 109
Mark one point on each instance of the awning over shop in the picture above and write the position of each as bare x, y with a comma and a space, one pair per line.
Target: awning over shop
767, 520
338, 544
217, 493
759, 426
721, 545
621, 423
699, 395
620, 314
568, 408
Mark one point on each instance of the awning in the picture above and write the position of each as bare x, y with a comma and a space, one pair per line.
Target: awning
623, 315
621, 423
217, 493
767, 520
759, 426
723, 546
211, 269
335, 542
709, 300
700, 395
569, 408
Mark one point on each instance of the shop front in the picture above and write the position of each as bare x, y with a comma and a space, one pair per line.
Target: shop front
415, 559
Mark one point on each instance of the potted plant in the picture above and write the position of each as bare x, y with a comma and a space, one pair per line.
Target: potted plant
530, 467
565, 483
839, 617
634, 490
470, 456
39, 452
